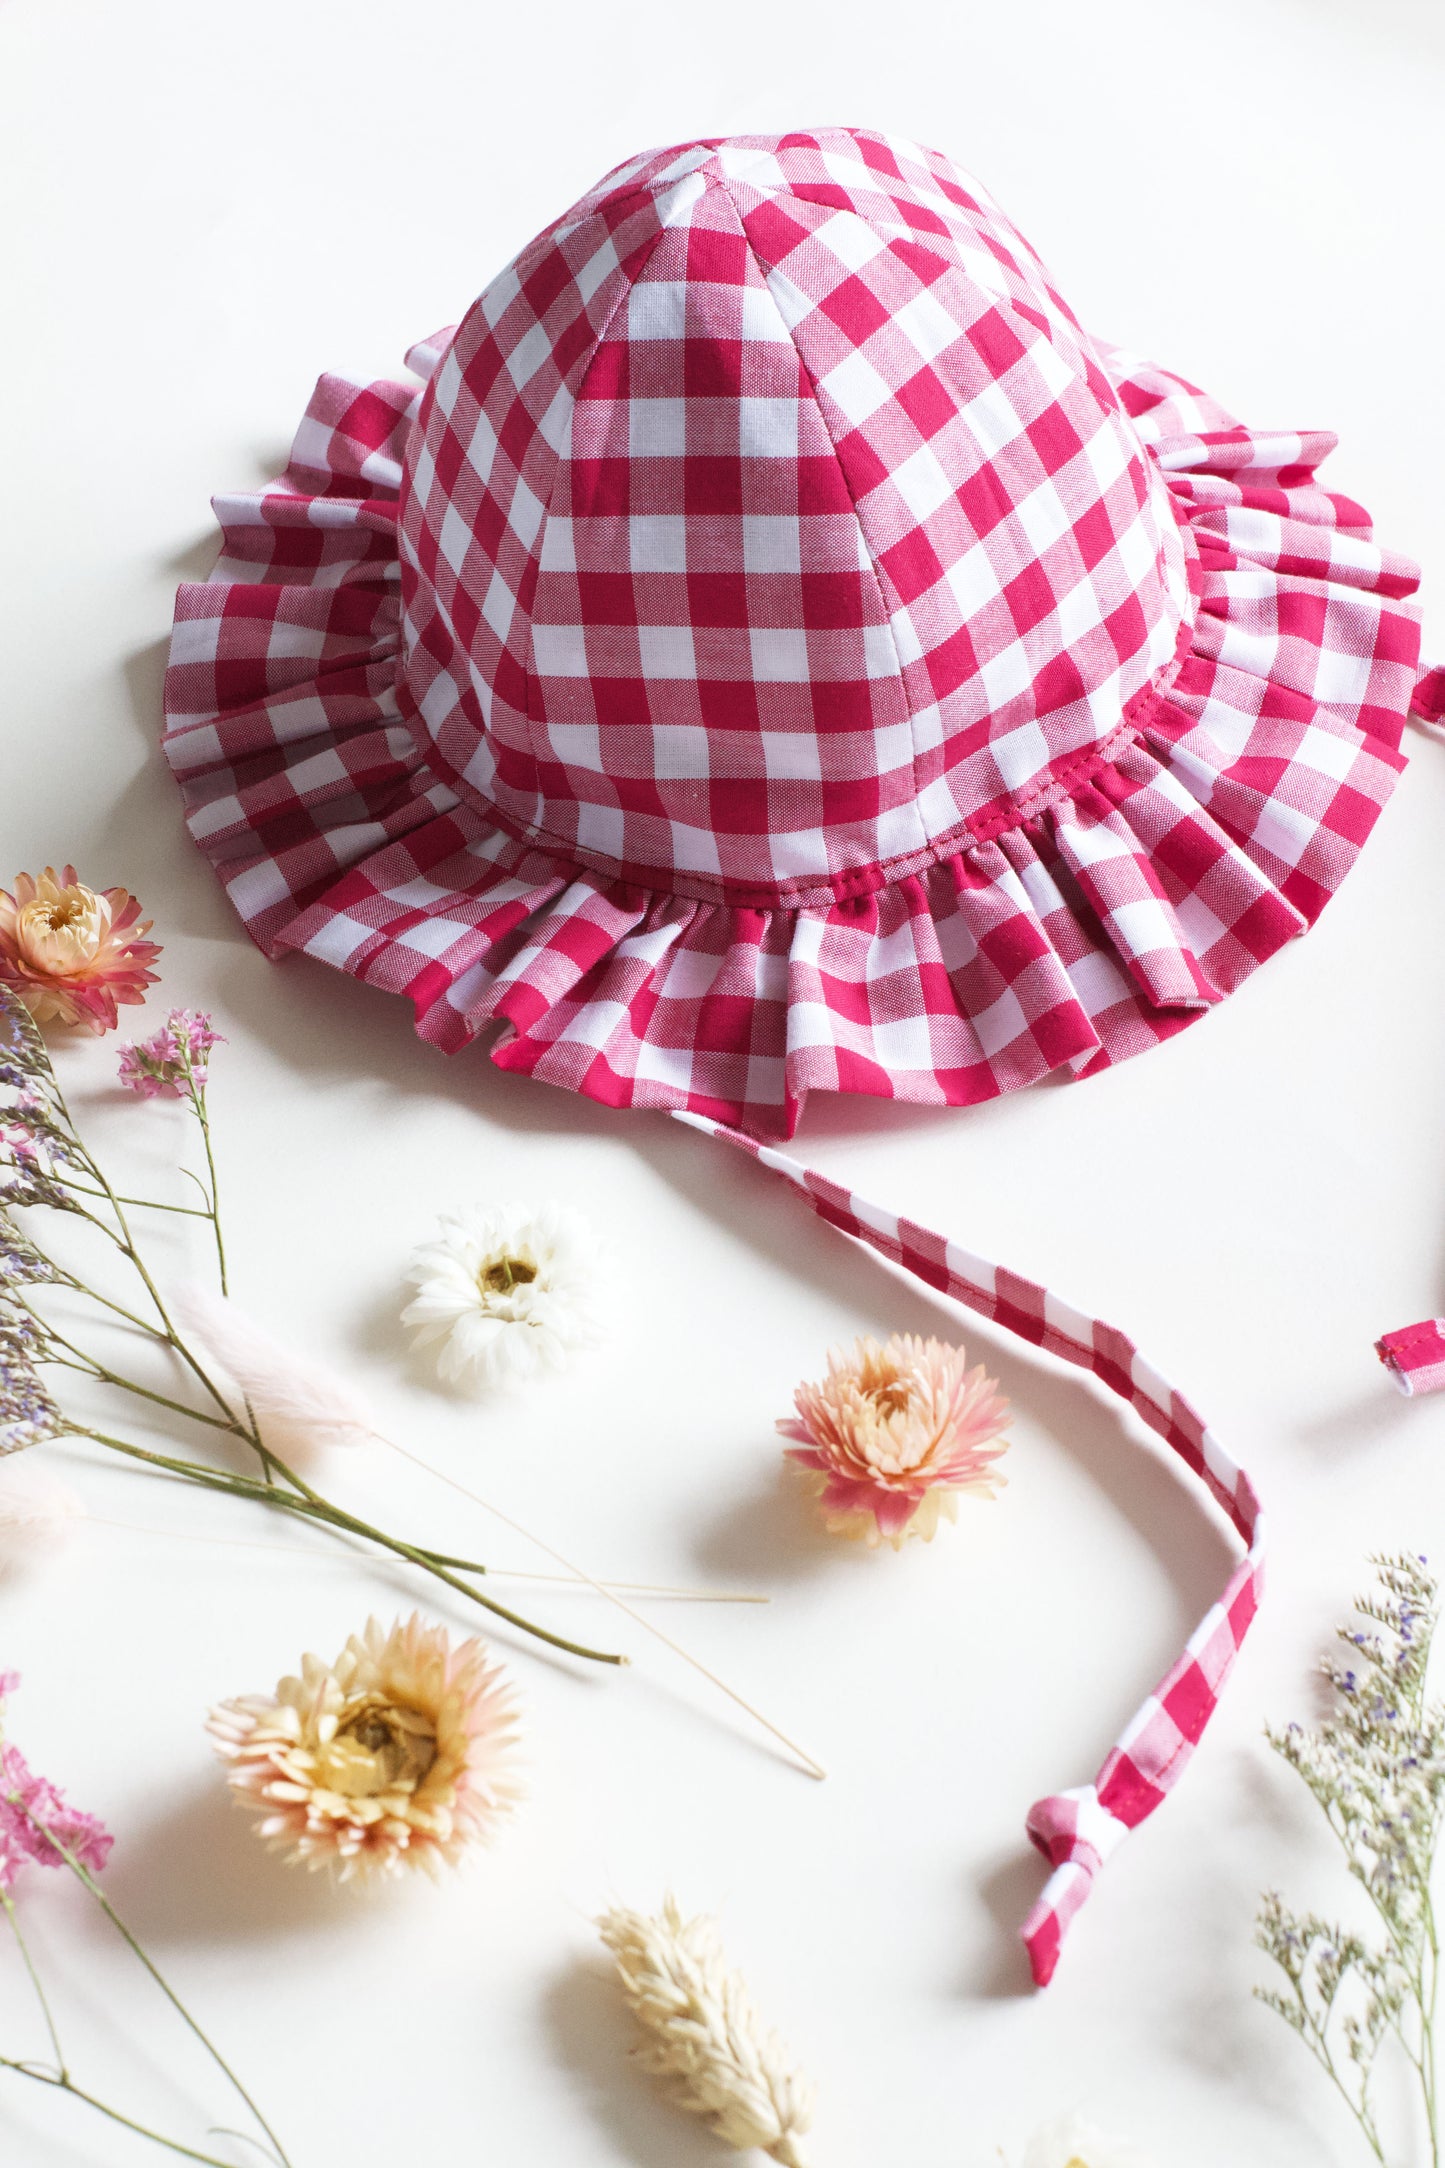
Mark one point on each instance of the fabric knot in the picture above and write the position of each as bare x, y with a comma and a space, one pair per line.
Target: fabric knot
1077, 1833
1428, 703
1415, 1356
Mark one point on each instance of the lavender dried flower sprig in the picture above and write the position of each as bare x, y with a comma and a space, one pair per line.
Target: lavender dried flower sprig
1376, 1768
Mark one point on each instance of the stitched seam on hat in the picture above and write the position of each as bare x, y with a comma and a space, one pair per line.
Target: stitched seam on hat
534, 698
878, 578
802, 896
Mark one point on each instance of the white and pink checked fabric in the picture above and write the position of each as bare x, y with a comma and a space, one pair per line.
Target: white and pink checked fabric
768, 648
1077, 1830
771, 530
1414, 1356
776, 650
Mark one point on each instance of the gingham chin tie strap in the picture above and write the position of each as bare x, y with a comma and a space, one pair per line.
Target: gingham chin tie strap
1077, 1830
1414, 1355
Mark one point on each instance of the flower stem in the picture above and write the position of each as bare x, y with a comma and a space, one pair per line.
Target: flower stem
813, 1767
59, 2082
309, 1505
10, 1913
88, 1882
197, 1098
1428, 2003
142, 1204
125, 1241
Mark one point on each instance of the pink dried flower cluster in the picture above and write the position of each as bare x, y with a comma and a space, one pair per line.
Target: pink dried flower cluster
72, 953
33, 1811
174, 1060
894, 1432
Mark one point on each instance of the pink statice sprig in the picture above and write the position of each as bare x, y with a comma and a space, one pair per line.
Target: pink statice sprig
38, 1825
173, 1063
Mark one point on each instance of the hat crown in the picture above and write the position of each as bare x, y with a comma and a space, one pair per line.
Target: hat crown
771, 528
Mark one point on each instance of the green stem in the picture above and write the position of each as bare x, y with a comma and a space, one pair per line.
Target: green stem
79, 1286
10, 1913
308, 1505
125, 1241
1428, 2006
88, 1882
1319, 2047
144, 1204
60, 2083
198, 1101
91, 1366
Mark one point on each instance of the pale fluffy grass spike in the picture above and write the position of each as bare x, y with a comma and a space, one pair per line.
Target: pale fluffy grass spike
704, 2036
299, 1405
38, 1512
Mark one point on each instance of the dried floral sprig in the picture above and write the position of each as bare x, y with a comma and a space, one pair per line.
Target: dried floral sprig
174, 1061
37, 1510
702, 2034
45, 1163
39, 1827
299, 1405
1376, 1768
893, 1433
70, 953
275, 1404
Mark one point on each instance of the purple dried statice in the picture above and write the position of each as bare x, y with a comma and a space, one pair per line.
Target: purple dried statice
1376, 1768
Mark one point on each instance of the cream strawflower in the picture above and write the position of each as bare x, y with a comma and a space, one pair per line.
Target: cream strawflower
501, 1292
894, 1432
400, 1754
1072, 2143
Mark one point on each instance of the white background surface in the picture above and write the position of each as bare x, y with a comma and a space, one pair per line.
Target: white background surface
205, 206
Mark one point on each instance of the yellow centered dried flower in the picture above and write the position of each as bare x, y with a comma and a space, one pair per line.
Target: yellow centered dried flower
1073, 2143
400, 1754
894, 1432
71, 953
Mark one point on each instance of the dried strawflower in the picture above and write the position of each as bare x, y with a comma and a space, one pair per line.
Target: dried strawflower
38, 1511
173, 1061
298, 1405
703, 2034
894, 1432
33, 1810
501, 1292
71, 953
1073, 2143
400, 1754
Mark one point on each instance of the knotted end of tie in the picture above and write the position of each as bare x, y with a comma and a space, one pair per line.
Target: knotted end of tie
1415, 1356
1076, 1832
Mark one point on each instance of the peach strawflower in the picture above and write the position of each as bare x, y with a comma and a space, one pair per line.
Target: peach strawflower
72, 954
400, 1754
894, 1433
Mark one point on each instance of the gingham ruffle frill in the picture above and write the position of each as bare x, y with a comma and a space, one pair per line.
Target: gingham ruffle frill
808, 661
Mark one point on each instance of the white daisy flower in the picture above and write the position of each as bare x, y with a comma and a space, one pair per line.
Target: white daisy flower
1072, 2143
503, 1291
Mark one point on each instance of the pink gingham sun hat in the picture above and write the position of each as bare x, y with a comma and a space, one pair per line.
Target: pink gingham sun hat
775, 649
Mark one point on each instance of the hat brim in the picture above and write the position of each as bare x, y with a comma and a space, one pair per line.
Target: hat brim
1212, 829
